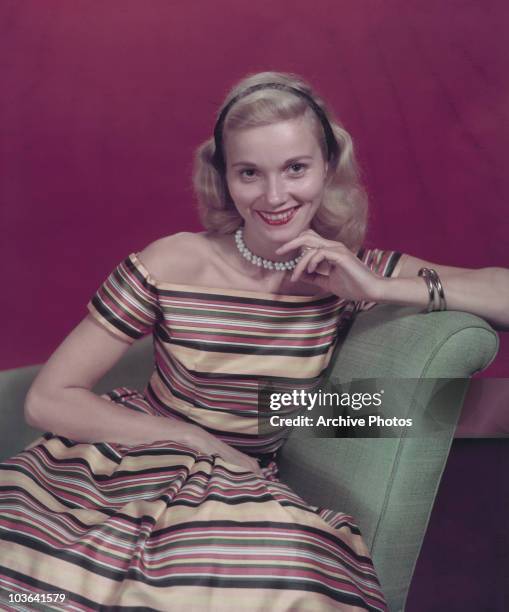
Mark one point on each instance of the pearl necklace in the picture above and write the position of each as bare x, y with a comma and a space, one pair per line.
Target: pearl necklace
260, 261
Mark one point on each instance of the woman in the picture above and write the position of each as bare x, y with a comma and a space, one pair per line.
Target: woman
169, 499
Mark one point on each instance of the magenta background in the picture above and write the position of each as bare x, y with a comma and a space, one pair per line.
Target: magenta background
104, 103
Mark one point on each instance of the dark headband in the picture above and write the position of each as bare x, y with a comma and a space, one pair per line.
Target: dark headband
332, 145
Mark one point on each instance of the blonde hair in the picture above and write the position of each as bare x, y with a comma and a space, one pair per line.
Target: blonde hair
342, 214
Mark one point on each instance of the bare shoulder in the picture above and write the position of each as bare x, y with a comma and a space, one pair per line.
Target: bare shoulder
175, 258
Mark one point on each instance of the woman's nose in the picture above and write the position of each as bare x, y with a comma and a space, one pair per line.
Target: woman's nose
275, 192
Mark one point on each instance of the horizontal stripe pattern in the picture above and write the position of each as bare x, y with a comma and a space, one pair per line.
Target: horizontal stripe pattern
135, 527
168, 517
126, 302
382, 263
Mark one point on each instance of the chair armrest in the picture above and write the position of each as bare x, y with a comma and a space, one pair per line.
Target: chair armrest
389, 484
15, 433
397, 341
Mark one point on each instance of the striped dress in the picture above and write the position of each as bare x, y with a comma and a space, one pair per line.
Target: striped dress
163, 526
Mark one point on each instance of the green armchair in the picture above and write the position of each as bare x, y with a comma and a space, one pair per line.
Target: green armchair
387, 484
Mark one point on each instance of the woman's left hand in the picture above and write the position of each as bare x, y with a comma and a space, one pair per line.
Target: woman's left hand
333, 267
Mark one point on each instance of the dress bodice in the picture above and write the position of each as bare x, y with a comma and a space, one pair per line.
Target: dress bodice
213, 348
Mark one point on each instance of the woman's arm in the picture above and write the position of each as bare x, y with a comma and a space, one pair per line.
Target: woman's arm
483, 292
60, 399
332, 266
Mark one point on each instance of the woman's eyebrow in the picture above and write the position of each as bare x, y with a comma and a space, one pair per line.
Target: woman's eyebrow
292, 159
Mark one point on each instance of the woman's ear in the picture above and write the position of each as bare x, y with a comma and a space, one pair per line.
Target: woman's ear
327, 176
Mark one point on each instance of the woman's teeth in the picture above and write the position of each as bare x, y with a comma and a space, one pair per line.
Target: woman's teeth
278, 218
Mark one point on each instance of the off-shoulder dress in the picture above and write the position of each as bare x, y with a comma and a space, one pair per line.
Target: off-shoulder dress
163, 526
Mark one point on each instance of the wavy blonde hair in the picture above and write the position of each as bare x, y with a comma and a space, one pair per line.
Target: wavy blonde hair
343, 212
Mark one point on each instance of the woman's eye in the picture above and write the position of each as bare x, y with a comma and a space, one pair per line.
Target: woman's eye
298, 168
249, 173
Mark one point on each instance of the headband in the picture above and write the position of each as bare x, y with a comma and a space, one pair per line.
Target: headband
332, 145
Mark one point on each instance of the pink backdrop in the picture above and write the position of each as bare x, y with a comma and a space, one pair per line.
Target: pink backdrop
104, 103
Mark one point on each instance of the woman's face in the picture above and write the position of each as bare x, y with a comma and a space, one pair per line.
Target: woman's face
276, 178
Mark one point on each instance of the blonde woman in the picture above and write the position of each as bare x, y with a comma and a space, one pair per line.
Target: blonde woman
169, 499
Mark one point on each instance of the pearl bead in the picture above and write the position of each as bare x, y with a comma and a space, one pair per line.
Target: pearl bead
261, 261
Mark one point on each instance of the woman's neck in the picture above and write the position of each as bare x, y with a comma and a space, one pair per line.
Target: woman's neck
265, 248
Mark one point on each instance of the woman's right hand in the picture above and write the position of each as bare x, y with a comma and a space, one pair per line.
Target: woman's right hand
210, 445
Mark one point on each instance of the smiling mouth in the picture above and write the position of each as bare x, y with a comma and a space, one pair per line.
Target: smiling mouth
278, 218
